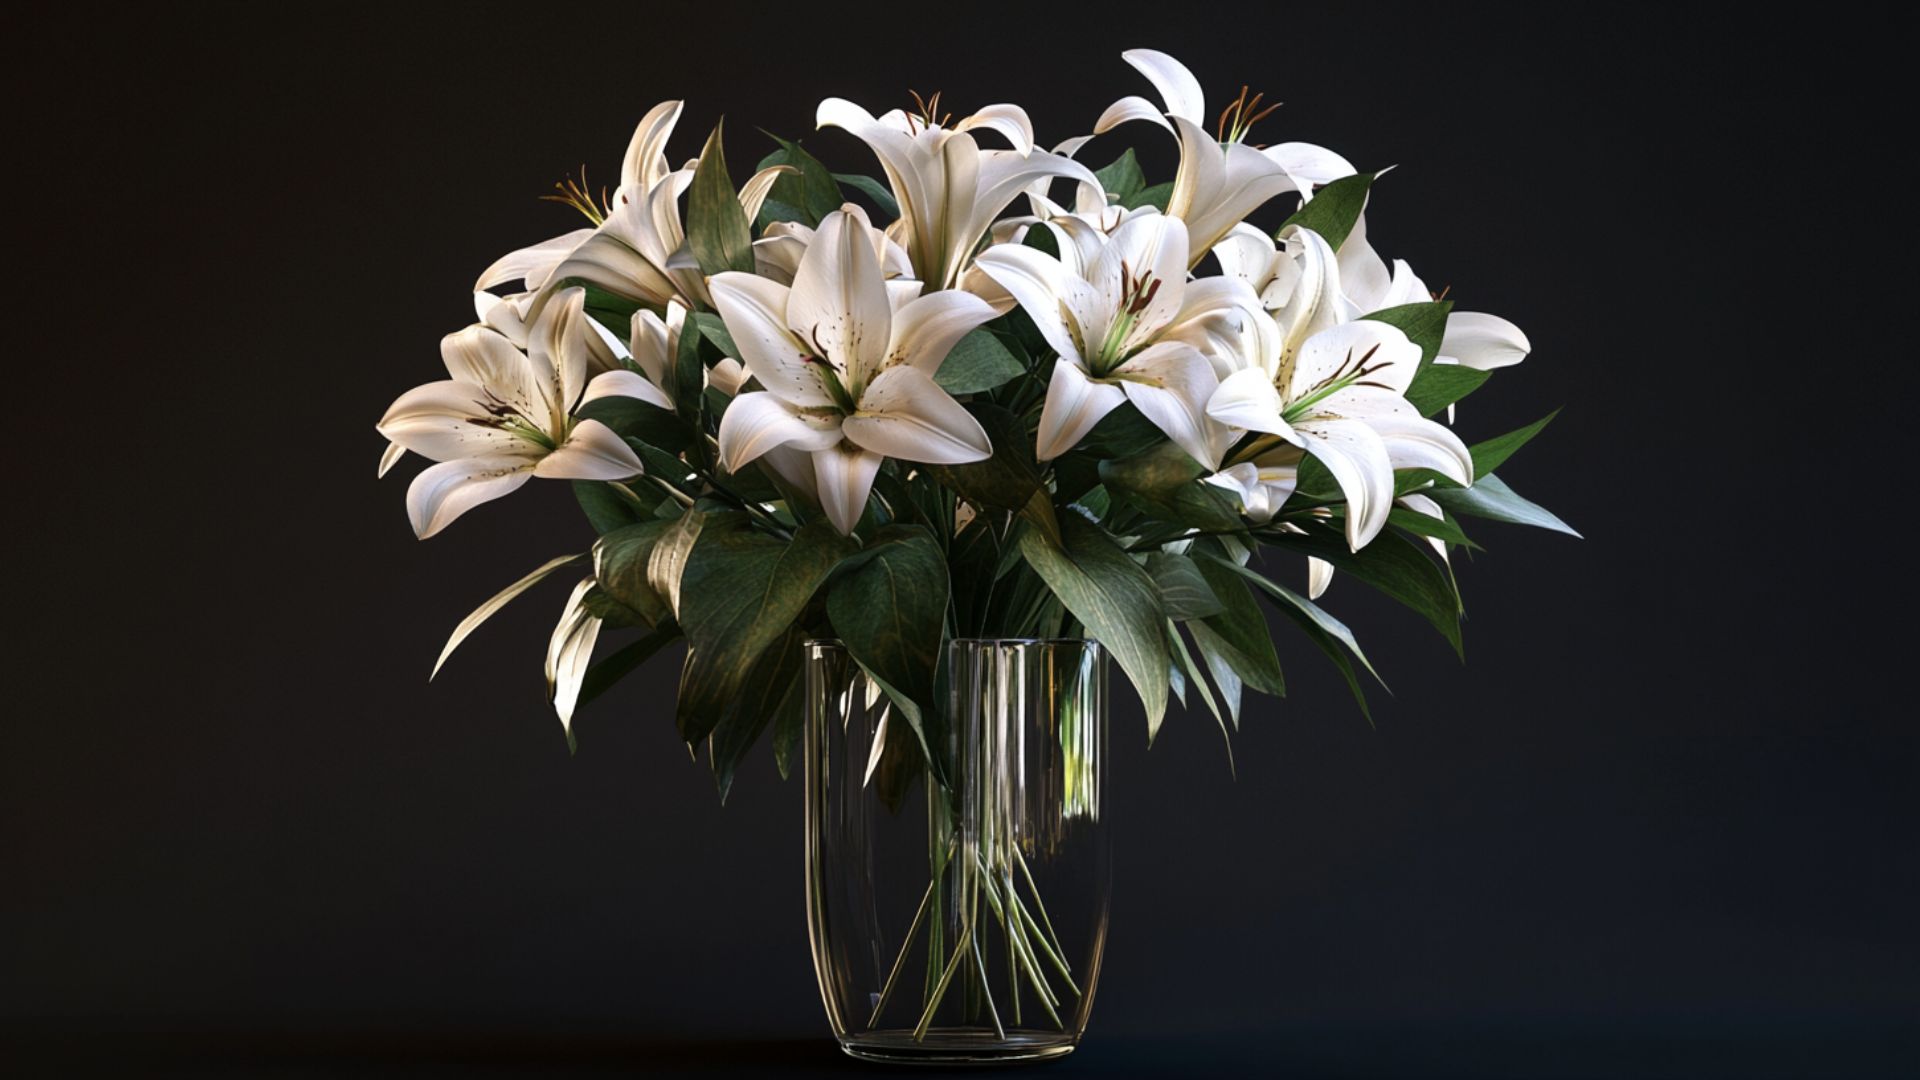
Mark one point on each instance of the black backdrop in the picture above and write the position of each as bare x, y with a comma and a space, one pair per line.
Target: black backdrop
1660, 823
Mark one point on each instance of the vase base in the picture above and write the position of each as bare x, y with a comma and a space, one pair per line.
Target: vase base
956, 1047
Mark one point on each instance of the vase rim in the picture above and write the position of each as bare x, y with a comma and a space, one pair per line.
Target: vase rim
836, 643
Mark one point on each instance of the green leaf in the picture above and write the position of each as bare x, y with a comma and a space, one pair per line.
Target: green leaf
1239, 633
714, 329
1122, 179
1440, 385
1155, 196
1184, 593
631, 418
978, 362
888, 604
1008, 479
1186, 670
717, 229
1391, 564
1491, 498
1113, 597
1414, 521
738, 593
872, 189
1334, 209
1490, 455
1165, 483
1329, 633
806, 195
1425, 324
607, 508
617, 665
771, 693
611, 310
620, 562
688, 377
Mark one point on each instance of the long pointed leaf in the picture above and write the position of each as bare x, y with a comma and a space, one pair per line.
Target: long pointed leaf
499, 600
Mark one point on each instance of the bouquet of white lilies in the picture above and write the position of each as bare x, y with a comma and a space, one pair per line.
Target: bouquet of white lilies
996, 394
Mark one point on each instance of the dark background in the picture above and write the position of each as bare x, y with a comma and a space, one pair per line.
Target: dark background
1661, 823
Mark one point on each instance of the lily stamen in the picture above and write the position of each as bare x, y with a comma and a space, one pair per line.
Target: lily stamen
579, 195
1240, 115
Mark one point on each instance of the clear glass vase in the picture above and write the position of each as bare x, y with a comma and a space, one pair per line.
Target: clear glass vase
960, 922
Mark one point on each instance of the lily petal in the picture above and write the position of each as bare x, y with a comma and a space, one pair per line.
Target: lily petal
533, 264
1415, 442
755, 311
626, 384
1247, 400
842, 478
1177, 86
646, 162
389, 458
1130, 108
1357, 457
904, 414
482, 357
1036, 282
1170, 383
1319, 576
838, 302
1483, 342
592, 452
925, 330
1009, 120
443, 492
1074, 405
758, 422
447, 420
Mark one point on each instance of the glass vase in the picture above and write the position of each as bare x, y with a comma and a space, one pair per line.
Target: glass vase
958, 911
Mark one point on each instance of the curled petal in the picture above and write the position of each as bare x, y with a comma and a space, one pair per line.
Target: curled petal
389, 458
1309, 165
1177, 86
646, 162
1319, 576
445, 491
1009, 120
1129, 108
1414, 442
1483, 342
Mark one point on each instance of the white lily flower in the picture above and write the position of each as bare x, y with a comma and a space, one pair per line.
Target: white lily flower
637, 248
1472, 338
1126, 323
506, 416
949, 190
1221, 179
847, 364
1342, 399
